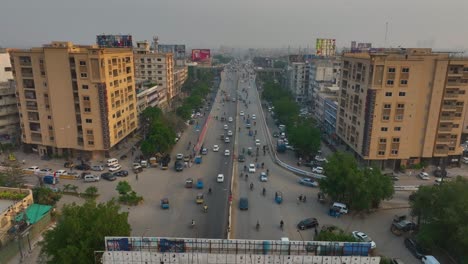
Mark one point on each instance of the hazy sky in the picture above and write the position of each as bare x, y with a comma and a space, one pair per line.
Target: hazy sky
238, 23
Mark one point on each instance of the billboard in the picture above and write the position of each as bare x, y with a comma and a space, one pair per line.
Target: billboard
325, 47
114, 41
177, 50
201, 55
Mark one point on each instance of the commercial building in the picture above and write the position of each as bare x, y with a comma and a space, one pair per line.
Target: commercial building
9, 118
298, 80
150, 96
180, 76
324, 76
75, 99
398, 106
157, 68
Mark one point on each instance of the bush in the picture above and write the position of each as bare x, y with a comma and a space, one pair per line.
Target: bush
91, 192
8, 195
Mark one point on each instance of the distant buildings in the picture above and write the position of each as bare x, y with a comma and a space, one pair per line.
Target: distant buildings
9, 117
398, 106
75, 99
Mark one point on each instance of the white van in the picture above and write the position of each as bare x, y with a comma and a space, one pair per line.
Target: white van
112, 162
91, 178
340, 207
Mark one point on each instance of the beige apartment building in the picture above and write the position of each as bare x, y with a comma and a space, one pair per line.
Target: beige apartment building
75, 99
398, 106
9, 118
157, 68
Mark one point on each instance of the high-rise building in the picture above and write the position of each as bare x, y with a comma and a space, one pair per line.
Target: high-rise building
399, 106
9, 118
75, 99
158, 68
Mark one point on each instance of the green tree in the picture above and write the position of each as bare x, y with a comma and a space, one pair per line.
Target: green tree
442, 212
12, 177
91, 191
81, 230
360, 188
44, 195
305, 138
123, 187
337, 235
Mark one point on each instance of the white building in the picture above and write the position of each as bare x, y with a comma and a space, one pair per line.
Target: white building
9, 118
298, 80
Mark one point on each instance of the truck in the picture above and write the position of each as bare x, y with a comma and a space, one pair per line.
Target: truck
281, 146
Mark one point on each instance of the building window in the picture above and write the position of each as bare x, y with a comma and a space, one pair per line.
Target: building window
387, 106
403, 82
386, 117
159, 78
89, 121
399, 117
383, 140
405, 69
82, 63
49, 117
390, 82
84, 86
388, 94
159, 59
159, 72
397, 128
84, 75
381, 153
396, 140
394, 152
402, 93
87, 110
391, 69
451, 148
384, 129
401, 106
90, 142
89, 131
85, 98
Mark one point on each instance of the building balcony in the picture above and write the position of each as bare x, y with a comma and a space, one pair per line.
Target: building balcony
36, 137
30, 107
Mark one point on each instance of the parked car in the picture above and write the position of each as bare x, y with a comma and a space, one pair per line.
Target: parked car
179, 156
398, 228
423, 176
45, 171
61, 172
33, 168
307, 223
121, 173
108, 176
91, 178
97, 168
308, 182
415, 249
178, 165
83, 167
429, 260
363, 237
243, 203
318, 170
115, 167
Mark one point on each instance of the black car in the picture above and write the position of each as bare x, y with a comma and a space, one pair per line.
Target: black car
415, 248
241, 158
121, 173
244, 204
179, 165
83, 167
108, 176
308, 223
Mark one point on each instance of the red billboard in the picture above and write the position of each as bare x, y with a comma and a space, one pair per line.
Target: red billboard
201, 55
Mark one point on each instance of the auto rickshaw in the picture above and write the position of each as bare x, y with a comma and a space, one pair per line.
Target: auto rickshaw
278, 197
198, 159
321, 197
189, 183
199, 199
165, 203
199, 184
250, 132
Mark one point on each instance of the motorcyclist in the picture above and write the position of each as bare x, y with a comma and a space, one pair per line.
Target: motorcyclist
258, 225
209, 190
251, 186
205, 208
268, 171
264, 191
193, 223
263, 165
281, 224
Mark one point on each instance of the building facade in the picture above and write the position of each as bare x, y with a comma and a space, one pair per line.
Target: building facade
75, 99
399, 106
151, 96
157, 68
298, 80
180, 76
9, 118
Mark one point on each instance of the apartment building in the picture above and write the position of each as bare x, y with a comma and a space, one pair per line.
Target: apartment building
298, 80
398, 106
150, 96
9, 118
180, 76
157, 68
74, 99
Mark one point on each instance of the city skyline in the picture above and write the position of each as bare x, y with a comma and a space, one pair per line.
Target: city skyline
243, 24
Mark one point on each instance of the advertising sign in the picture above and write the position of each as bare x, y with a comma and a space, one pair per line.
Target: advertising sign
177, 50
114, 41
201, 55
325, 47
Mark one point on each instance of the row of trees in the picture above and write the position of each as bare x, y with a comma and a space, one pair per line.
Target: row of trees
198, 88
160, 133
302, 133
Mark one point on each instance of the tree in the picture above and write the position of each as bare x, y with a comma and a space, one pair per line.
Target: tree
12, 177
442, 213
91, 191
80, 231
361, 188
127, 195
305, 138
123, 187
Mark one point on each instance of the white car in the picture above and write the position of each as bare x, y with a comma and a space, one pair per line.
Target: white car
115, 167
45, 171
226, 127
230, 119
362, 237
33, 168
229, 133
61, 172
318, 170
252, 167
241, 113
423, 175
227, 152
227, 140
215, 148
257, 142
220, 178
254, 117
263, 177
180, 156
